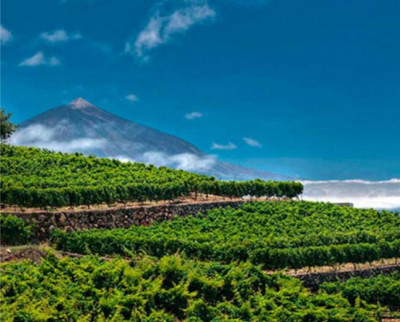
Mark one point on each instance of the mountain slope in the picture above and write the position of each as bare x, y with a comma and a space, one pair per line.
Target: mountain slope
83, 127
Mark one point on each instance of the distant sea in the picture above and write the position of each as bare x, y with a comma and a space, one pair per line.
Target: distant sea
363, 194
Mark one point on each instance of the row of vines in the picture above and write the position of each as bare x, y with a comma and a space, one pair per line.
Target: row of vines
171, 289
384, 289
274, 235
39, 178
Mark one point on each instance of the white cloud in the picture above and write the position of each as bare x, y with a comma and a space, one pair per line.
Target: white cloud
229, 146
60, 35
193, 115
44, 137
182, 161
162, 26
252, 142
55, 36
362, 193
192, 162
5, 35
39, 59
131, 97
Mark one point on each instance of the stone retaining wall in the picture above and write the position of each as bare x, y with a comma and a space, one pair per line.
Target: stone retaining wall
313, 280
45, 222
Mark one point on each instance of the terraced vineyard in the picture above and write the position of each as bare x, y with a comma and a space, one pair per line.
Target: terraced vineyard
172, 289
381, 289
200, 268
40, 178
274, 234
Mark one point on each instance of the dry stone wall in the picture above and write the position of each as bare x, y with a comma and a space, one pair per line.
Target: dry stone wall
314, 280
45, 222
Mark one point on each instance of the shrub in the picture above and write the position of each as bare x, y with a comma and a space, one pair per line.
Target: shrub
14, 230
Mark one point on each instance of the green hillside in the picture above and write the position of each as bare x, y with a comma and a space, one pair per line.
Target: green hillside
172, 289
208, 267
275, 235
33, 177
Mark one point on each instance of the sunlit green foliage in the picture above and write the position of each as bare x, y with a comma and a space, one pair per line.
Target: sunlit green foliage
89, 289
13, 230
380, 289
273, 234
38, 178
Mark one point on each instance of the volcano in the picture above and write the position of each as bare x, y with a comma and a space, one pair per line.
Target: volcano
83, 127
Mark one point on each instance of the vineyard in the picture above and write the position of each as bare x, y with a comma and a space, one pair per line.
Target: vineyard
380, 289
33, 177
172, 289
274, 235
219, 265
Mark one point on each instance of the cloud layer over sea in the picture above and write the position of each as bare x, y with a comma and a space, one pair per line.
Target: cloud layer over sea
362, 193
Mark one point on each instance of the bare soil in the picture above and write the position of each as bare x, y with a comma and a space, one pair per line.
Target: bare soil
34, 253
192, 199
346, 267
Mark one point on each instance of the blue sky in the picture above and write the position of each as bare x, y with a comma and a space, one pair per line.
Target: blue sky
306, 88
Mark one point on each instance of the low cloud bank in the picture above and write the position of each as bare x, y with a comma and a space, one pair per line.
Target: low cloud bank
44, 137
362, 193
182, 161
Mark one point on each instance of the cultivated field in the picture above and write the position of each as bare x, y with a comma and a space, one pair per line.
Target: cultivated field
244, 264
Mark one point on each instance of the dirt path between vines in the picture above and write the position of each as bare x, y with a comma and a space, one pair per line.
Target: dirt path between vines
188, 200
192, 199
18, 253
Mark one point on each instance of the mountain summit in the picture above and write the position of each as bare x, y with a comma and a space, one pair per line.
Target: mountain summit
82, 127
80, 103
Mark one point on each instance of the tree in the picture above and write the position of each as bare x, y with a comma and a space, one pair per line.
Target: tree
7, 128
